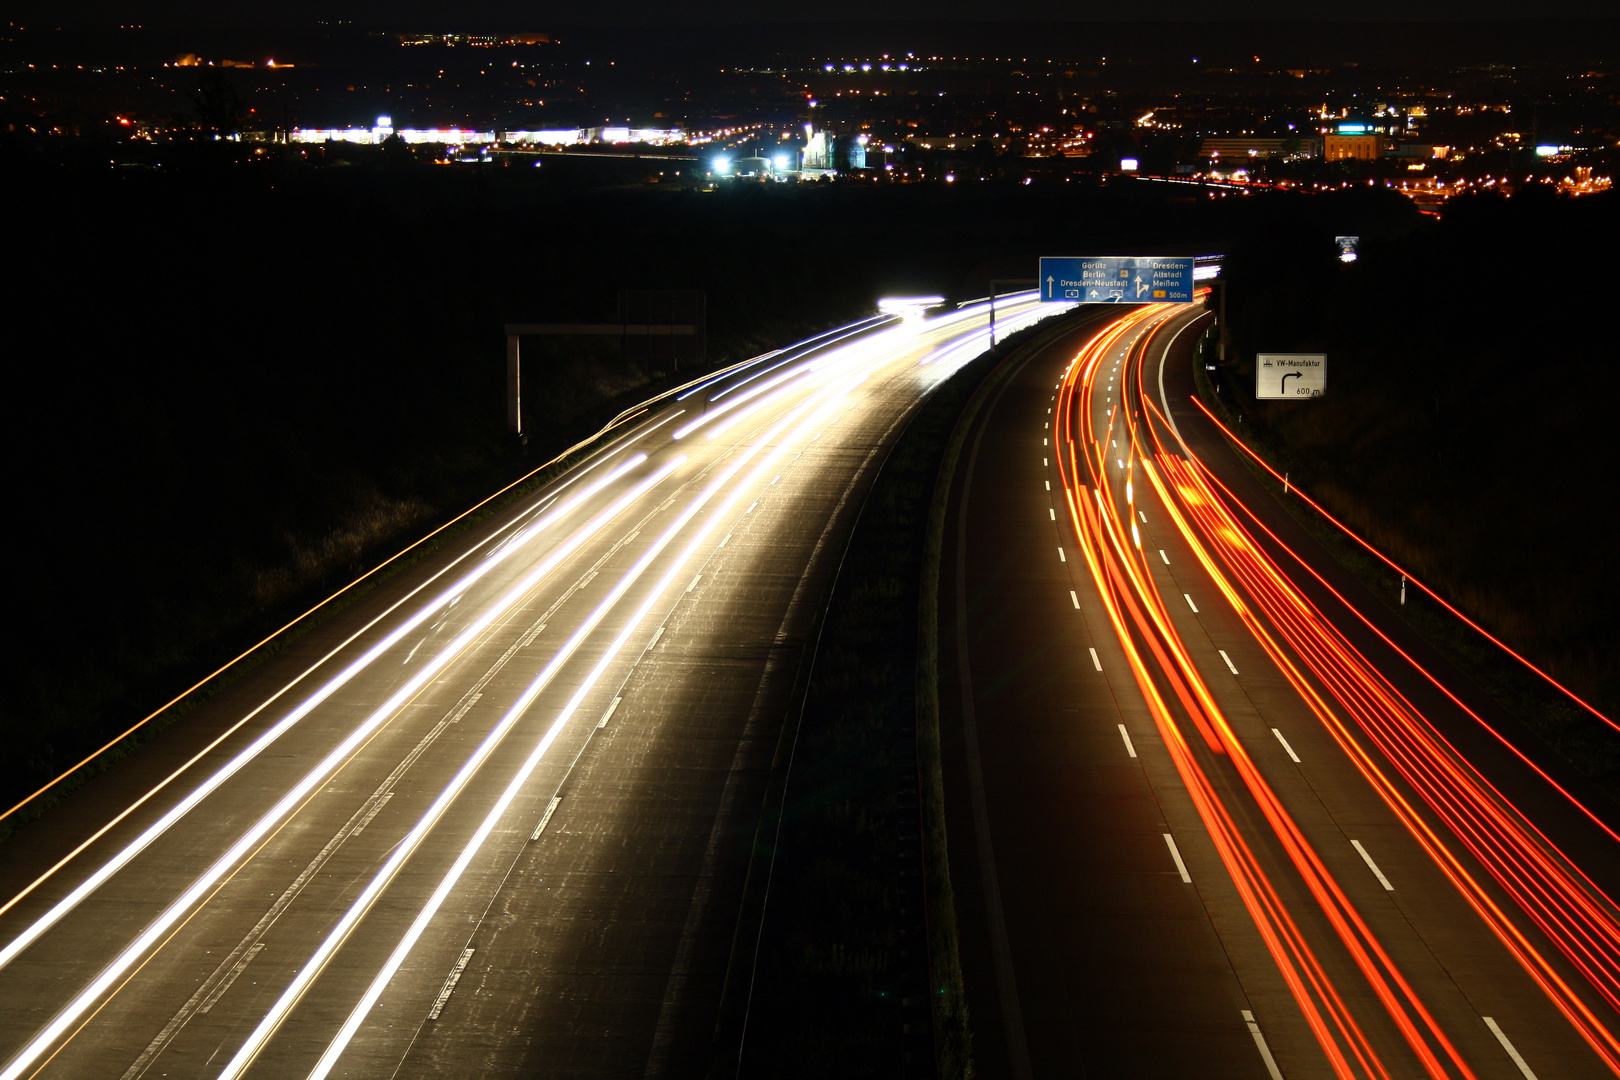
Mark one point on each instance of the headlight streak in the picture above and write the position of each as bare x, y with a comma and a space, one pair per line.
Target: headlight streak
807, 346
721, 376
972, 344
1564, 904
155, 930
380, 983
1387, 561
1127, 587
407, 846
821, 367
138, 953
521, 531
788, 381
445, 598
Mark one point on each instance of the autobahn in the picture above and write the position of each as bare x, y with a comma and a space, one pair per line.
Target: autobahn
1214, 810
492, 819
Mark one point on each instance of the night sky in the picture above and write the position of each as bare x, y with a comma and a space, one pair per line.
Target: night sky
515, 13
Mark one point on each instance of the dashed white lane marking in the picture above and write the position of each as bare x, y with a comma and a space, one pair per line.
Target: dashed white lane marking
1043, 442
1229, 665
1096, 661
1142, 516
1377, 873
1175, 853
751, 506
695, 580
608, 713
774, 479
1265, 1051
1075, 598
1129, 749
1062, 557
1165, 557
450, 984
722, 542
545, 818
1285, 745
1511, 1052
1052, 512
1118, 462
1049, 485
1045, 463
1190, 603
658, 633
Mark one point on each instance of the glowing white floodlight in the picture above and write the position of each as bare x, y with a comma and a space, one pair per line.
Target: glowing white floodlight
1546, 151
908, 307
722, 166
1128, 164
780, 161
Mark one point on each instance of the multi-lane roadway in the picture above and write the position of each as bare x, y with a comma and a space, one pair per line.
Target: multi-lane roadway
493, 819
1213, 811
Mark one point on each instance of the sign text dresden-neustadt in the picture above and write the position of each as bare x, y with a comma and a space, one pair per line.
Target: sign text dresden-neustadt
1117, 279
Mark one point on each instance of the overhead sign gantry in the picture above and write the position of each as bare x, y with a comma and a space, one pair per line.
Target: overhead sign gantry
1117, 279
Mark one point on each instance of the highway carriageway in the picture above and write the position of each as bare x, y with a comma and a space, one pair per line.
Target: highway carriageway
1213, 810
493, 820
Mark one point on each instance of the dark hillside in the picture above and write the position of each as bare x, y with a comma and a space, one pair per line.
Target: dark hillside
235, 383
1468, 425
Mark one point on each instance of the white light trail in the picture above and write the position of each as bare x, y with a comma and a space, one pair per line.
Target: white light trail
447, 597
419, 926
25, 1057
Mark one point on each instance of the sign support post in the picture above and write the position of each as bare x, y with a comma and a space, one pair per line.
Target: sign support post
996, 283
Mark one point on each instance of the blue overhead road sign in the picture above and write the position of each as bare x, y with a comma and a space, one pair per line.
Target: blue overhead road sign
1117, 279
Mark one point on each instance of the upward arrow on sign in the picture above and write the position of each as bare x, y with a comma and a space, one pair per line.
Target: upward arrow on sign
1049, 285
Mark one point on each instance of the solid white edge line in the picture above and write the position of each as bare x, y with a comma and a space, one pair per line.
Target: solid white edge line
1163, 356
1175, 853
1368, 859
1508, 1046
1285, 745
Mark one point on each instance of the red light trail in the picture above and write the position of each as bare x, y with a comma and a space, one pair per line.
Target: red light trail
1431, 789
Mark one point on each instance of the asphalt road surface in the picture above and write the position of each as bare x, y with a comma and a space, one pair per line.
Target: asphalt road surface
492, 819
1206, 817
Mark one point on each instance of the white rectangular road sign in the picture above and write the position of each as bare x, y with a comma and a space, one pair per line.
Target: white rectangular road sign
1289, 375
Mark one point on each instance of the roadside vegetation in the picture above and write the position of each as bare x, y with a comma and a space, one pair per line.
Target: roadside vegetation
1466, 431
